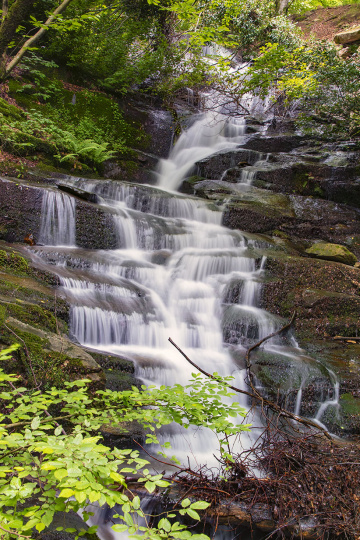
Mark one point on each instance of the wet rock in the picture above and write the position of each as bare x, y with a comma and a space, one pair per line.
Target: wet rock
332, 252
321, 180
20, 214
257, 211
101, 234
215, 165
280, 143
67, 520
82, 194
123, 435
160, 257
20, 210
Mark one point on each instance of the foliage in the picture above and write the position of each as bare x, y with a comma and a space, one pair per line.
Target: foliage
325, 88
52, 459
301, 6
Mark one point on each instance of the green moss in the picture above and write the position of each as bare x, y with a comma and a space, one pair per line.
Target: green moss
9, 110
2, 315
350, 405
33, 315
50, 368
18, 264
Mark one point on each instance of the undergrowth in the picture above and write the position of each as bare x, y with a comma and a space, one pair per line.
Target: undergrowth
73, 128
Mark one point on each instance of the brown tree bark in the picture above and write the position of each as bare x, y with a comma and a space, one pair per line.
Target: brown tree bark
5, 8
281, 6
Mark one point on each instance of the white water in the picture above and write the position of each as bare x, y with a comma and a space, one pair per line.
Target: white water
210, 133
58, 219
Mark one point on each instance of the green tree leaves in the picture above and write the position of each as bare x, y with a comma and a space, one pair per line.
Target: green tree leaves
48, 469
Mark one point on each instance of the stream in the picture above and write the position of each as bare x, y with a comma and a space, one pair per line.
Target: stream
176, 272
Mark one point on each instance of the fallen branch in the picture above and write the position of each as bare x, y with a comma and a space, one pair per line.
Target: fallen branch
255, 394
344, 338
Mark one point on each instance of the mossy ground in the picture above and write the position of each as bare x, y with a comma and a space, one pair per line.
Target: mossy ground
47, 123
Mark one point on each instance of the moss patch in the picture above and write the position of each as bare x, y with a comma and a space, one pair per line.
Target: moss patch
34, 315
15, 262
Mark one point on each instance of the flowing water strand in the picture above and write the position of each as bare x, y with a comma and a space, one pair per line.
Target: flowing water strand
57, 219
209, 134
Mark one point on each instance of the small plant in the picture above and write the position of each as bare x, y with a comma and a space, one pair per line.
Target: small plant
52, 460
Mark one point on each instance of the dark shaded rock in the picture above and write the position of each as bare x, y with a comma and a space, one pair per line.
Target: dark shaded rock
82, 194
339, 184
280, 143
95, 227
215, 165
67, 520
322, 293
250, 218
20, 210
20, 214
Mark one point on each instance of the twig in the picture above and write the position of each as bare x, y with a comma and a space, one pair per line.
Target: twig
264, 402
14, 533
167, 463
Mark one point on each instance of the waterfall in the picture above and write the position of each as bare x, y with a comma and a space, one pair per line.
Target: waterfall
176, 272
57, 219
209, 133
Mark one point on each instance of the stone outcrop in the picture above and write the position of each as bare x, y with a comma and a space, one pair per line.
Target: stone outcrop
349, 36
20, 214
332, 252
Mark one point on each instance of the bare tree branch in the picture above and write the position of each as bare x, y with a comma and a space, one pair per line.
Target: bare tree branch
32, 40
255, 394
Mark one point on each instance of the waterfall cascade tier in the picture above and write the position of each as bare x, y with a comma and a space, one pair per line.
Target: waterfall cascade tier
176, 272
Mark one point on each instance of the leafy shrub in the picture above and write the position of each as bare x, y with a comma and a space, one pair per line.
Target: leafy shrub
52, 460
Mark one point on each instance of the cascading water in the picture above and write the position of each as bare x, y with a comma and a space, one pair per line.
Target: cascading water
209, 133
176, 273
57, 219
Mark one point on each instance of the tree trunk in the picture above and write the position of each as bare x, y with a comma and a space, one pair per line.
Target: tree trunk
5, 8
31, 41
281, 6
17, 14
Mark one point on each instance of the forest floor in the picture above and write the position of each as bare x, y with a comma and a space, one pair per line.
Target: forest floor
324, 23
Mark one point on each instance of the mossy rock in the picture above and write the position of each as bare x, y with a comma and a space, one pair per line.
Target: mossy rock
54, 359
9, 110
332, 252
14, 262
32, 314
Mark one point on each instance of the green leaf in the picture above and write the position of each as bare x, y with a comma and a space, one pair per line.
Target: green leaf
200, 505
80, 496
35, 423
60, 474
94, 496
185, 503
66, 493
165, 524
193, 514
119, 528
150, 486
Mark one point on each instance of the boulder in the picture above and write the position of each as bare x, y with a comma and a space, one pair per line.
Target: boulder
349, 36
332, 252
